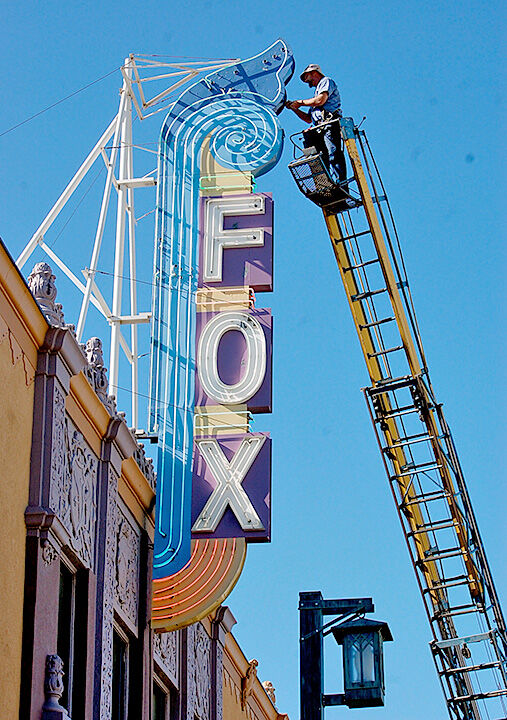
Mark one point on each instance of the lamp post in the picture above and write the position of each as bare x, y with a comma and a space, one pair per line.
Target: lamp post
362, 642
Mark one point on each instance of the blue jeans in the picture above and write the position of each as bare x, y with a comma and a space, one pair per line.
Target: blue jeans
329, 144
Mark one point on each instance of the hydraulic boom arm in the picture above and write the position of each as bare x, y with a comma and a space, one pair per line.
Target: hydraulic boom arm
469, 643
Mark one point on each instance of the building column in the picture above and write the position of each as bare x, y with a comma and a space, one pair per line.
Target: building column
222, 623
108, 474
45, 533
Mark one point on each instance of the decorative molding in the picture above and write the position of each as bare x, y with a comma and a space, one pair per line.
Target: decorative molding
166, 653
73, 483
59, 478
108, 602
97, 373
41, 282
219, 685
198, 672
247, 682
127, 570
49, 552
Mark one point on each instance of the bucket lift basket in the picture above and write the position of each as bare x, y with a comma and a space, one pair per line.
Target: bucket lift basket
313, 178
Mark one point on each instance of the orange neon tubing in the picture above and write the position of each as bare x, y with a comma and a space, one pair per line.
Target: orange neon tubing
210, 563
201, 600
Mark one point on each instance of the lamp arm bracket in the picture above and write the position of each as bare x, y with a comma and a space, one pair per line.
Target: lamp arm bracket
336, 621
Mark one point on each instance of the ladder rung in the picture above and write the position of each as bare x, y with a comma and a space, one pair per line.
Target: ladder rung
471, 668
449, 582
450, 552
398, 413
385, 352
458, 610
478, 696
394, 383
369, 293
354, 236
411, 441
432, 527
427, 497
423, 468
360, 265
377, 322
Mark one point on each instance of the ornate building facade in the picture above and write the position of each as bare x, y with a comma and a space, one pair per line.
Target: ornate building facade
77, 538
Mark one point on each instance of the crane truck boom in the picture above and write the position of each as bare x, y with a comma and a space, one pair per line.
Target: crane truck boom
469, 644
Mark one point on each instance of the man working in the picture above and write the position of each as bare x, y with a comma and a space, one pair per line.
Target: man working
325, 105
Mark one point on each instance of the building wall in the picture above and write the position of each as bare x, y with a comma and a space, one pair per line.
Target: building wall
22, 327
79, 493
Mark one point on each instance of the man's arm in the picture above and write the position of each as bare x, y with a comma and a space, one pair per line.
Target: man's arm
305, 116
316, 101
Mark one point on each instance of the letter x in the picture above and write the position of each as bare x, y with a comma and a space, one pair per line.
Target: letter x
229, 491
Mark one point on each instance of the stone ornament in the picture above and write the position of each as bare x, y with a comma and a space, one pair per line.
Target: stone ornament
53, 682
127, 570
247, 682
270, 690
41, 282
108, 601
198, 672
73, 483
165, 649
49, 553
202, 672
97, 373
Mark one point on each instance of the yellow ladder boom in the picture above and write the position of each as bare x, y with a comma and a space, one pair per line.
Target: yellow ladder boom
469, 643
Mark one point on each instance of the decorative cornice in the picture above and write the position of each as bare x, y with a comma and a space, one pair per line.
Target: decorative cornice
21, 300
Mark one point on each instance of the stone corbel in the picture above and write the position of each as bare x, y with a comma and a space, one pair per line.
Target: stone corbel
222, 624
43, 523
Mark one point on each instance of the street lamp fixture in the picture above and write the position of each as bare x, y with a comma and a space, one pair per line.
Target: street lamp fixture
363, 661
362, 641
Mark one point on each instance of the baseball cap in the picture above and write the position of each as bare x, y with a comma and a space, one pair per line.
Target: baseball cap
310, 68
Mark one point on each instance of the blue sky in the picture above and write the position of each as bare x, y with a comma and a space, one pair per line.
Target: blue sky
429, 78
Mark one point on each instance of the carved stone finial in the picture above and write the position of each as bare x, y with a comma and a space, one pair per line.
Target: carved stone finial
97, 373
93, 351
41, 282
95, 357
53, 682
145, 465
247, 682
270, 690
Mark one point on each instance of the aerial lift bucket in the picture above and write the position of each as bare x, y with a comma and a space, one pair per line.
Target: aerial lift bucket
313, 178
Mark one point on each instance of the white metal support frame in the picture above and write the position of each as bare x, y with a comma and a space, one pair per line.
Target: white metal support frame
136, 72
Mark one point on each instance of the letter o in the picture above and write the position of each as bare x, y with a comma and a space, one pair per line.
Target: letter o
207, 357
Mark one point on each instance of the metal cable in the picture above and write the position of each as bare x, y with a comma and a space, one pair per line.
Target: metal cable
58, 102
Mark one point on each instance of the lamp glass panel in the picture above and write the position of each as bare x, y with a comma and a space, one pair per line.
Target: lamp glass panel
361, 658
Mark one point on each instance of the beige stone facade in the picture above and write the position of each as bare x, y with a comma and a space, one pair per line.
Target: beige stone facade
77, 536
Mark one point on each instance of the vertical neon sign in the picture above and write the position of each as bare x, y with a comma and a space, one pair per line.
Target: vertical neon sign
228, 122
